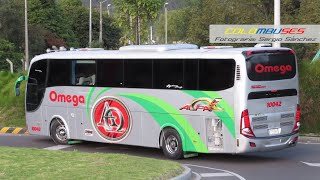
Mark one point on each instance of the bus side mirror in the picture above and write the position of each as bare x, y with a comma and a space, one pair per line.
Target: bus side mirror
18, 83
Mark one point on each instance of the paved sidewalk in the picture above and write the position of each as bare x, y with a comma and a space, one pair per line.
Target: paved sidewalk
309, 138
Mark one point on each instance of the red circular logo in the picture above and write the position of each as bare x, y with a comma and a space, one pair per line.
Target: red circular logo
111, 119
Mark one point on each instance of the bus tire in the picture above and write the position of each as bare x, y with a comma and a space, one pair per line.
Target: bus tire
58, 132
172, 144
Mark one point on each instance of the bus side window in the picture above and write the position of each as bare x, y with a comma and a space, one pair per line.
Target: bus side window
168, 74
216, 74
137, 73
59, 73
84, 72
110, 73
190, 74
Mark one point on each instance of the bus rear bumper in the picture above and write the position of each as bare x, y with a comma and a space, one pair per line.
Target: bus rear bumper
267, 144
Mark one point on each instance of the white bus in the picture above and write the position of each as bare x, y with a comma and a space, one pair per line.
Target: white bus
176, 97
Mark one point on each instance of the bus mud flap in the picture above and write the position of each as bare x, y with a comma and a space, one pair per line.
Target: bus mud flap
190, 155
72, 142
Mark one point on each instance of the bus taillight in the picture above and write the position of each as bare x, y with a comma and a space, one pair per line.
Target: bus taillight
245, 128
297, 123
291, 51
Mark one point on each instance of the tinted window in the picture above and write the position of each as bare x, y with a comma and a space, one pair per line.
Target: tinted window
271, 66
272, 94
216, 74
168, 74
138, 73
59, 73
110, 73
36, 84
190, 74
84, 72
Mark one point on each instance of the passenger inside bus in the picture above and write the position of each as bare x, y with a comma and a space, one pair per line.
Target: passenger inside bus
85, 73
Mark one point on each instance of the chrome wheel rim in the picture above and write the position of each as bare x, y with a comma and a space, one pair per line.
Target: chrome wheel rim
172, 144
61, 132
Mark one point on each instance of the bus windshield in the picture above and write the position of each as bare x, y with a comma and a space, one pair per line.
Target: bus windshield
271, 66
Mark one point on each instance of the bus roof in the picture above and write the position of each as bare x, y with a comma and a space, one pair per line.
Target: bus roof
172, 52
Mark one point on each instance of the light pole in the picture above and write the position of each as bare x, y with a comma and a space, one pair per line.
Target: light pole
277, 20
166, 22
130, 20
108, 9
90, 24
26, 35
100, 34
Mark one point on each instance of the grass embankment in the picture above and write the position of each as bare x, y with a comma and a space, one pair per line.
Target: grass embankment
11, 107
17, 163
310, 96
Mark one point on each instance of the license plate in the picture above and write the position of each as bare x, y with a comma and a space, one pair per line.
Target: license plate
274, 131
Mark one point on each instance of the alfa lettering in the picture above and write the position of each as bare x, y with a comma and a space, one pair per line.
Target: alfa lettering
74, 99
186, 107
196, 108
260, 68
209, 105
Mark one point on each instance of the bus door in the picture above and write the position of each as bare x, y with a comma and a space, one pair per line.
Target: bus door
36, 88
83, 79
273, 105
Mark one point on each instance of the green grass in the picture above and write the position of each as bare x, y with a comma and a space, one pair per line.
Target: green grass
309, 75
11, 107
23, 163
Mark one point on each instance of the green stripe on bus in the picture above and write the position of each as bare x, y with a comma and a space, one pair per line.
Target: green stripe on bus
223, 103
164, 114
88, 101
101, 92
227, 116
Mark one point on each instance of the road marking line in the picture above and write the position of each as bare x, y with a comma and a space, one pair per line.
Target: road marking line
57, 147
16, 131
215, 174
4, 130
196, 176
234, 174
311, 164
309, 143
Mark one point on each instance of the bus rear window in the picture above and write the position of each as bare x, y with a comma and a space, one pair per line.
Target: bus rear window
271, 66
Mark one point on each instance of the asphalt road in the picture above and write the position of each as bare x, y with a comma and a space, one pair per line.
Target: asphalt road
299, 163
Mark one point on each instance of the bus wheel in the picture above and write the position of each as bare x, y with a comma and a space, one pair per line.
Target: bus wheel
58, 132
172, 145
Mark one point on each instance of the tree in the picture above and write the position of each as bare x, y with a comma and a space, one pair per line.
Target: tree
178, 25
12, 28
207, 12
7, 51
11, 23
141, 11
309, 14
77, 17
48, 15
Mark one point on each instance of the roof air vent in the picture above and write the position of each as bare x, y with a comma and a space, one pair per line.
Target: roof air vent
238, 72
